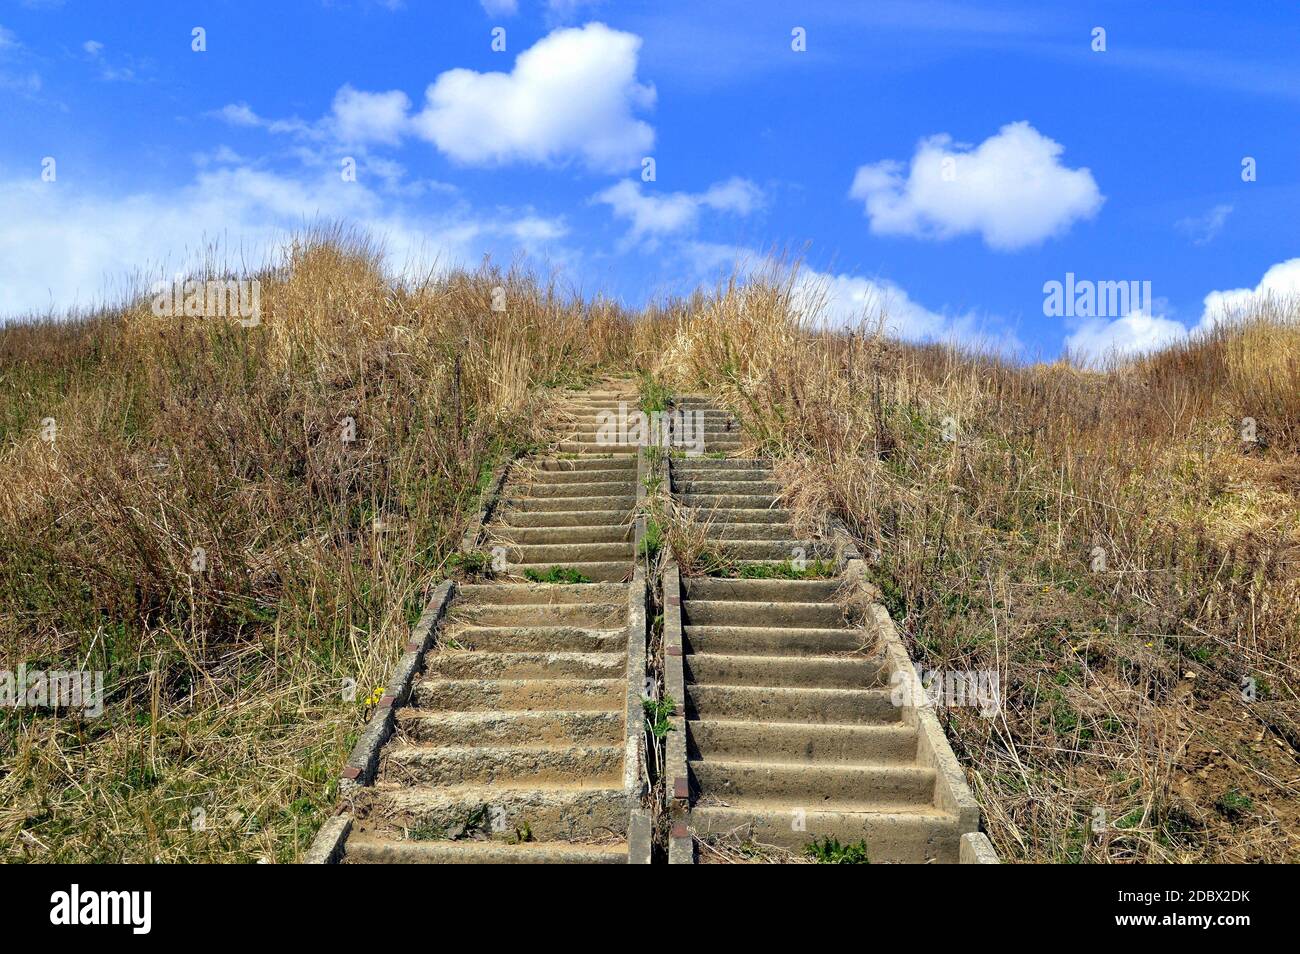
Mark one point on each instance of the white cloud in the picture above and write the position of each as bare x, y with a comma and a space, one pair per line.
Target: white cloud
93, 47
500, 8
62, 247
1203, 229
653, 214
370, 117
851, 301
571, 95
1011, 189
7, 39
1281, 283
1097, 340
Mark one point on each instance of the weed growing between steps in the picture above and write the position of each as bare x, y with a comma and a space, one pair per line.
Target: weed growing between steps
237, 526
1108, 542
829, 851
556, 574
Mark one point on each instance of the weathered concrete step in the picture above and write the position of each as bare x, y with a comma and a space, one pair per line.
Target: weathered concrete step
776, 641
610, 533
846, 787
606, 488
566, 553
584, 447
554, 466
827, 672
735, 741
603, 474
731, 515
477, 594
552, 811
586, 615
471, 664
719, 502
560, 518
732, 468
371, 850
520, 695
893, 834
507, 765
768, 704
607, 571
776, 551
622, 503
724, 532
695, 487
574, 727
764, 591
535, 639
765, 614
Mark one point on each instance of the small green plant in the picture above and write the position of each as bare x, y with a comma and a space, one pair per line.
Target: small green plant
1232, 804
829, 851
653, 540
654, 395
471, 563
658, 713
556, 574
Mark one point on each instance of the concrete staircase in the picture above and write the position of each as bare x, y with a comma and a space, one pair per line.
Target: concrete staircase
520, 740
791, 732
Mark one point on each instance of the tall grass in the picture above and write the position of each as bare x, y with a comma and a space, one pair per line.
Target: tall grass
987, 490
323, 462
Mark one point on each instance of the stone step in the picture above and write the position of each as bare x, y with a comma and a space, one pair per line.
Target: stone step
618, 502
612, 571
895, 834
555, 466
476, 664
767, 704
699, 612
610, 533
535, 639
810, 786
372, 850
560, 518
776, 641
720, 502
763, 591
559, 811
736, 741
591, 489
519, 695
695, 487
478, 594
827, 672
573, 727
562, 554
585, 615
516, 766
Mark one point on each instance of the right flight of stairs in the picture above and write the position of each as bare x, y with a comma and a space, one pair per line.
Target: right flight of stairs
791, 732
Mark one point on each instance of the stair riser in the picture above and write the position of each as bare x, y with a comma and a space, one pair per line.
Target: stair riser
774, 742
814, 786
784, 672
520, 728
439, 766
519, 697
897, 839
863, 707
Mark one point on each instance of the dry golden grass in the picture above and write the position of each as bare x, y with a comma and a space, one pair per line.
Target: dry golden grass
1121, 686
225, 687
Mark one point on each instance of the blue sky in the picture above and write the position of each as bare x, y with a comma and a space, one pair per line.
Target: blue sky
942, 160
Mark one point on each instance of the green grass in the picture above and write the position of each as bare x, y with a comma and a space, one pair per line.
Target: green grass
829, 851
653, 540
654, 394
556, 574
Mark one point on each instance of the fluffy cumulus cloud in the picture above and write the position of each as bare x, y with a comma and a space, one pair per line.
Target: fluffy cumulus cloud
573, 94
853, 301
1097, 340
370, 117
1012, 190
64, 247
652, 214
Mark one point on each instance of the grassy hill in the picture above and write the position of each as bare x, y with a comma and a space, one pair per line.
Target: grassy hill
325, 462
